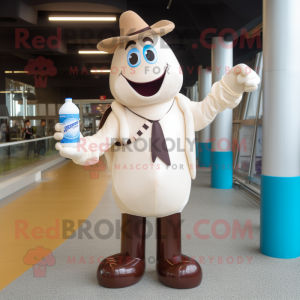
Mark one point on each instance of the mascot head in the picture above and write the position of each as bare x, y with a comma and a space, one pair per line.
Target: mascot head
144, 69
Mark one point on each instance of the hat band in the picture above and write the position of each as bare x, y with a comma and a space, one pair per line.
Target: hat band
139, 31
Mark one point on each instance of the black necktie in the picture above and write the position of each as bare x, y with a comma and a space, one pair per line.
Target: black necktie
158, 142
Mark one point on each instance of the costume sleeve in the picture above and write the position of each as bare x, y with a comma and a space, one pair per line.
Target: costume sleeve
95, 146
219, 98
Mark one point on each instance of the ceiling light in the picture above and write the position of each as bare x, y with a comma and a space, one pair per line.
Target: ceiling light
100, 71
81, 18
16, 71
91, 52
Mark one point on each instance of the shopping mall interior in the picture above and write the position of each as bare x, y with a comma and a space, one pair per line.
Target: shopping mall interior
65, 210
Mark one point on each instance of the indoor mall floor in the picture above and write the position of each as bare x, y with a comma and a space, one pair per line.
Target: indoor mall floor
233, 267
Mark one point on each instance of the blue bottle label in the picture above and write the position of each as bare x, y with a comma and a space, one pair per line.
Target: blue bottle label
71, 128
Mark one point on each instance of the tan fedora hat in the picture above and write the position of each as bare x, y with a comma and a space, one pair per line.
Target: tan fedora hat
133, 27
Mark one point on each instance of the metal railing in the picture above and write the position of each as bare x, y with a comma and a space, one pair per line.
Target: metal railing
15, 156
244, 175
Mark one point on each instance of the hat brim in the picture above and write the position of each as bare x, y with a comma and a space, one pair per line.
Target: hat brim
160, 28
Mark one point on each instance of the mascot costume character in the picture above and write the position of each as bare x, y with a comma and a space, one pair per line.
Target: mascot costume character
148, 113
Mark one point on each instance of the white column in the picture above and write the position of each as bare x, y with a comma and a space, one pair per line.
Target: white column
204, 144
221, 128
196, 95
193, 92
280, 196
188, 92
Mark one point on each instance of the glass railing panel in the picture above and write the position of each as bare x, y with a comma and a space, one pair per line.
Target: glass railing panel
1, 163
255, 174
28, 153
244, 150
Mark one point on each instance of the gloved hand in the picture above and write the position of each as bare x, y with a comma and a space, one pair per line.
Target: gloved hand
242, 78
78, 154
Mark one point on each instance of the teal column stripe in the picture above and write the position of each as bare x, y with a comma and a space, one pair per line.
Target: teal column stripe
221, 171
280, 216
204, 157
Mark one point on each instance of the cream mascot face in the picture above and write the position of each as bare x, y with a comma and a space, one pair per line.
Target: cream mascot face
144, 72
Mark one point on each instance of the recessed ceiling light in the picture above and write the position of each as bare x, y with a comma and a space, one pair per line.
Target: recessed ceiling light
16, 71
100, 71
81, 18
91, 52
12, 92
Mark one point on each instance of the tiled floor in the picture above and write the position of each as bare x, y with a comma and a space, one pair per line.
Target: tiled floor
233, 267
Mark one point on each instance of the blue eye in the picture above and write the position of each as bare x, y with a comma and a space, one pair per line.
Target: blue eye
150, 54
134, 57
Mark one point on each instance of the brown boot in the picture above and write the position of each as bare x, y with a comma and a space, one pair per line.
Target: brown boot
127, 267
174, 269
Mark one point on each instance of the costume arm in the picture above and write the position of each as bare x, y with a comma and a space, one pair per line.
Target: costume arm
95, 146
219, 98
91, 147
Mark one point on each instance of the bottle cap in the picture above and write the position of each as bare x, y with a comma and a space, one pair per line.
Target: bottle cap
68, 100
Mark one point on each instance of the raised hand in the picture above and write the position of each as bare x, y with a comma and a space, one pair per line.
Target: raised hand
242, 78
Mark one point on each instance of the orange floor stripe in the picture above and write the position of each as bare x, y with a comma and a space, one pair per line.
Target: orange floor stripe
72, 193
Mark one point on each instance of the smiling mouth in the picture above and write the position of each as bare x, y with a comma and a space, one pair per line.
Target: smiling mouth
147, 89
